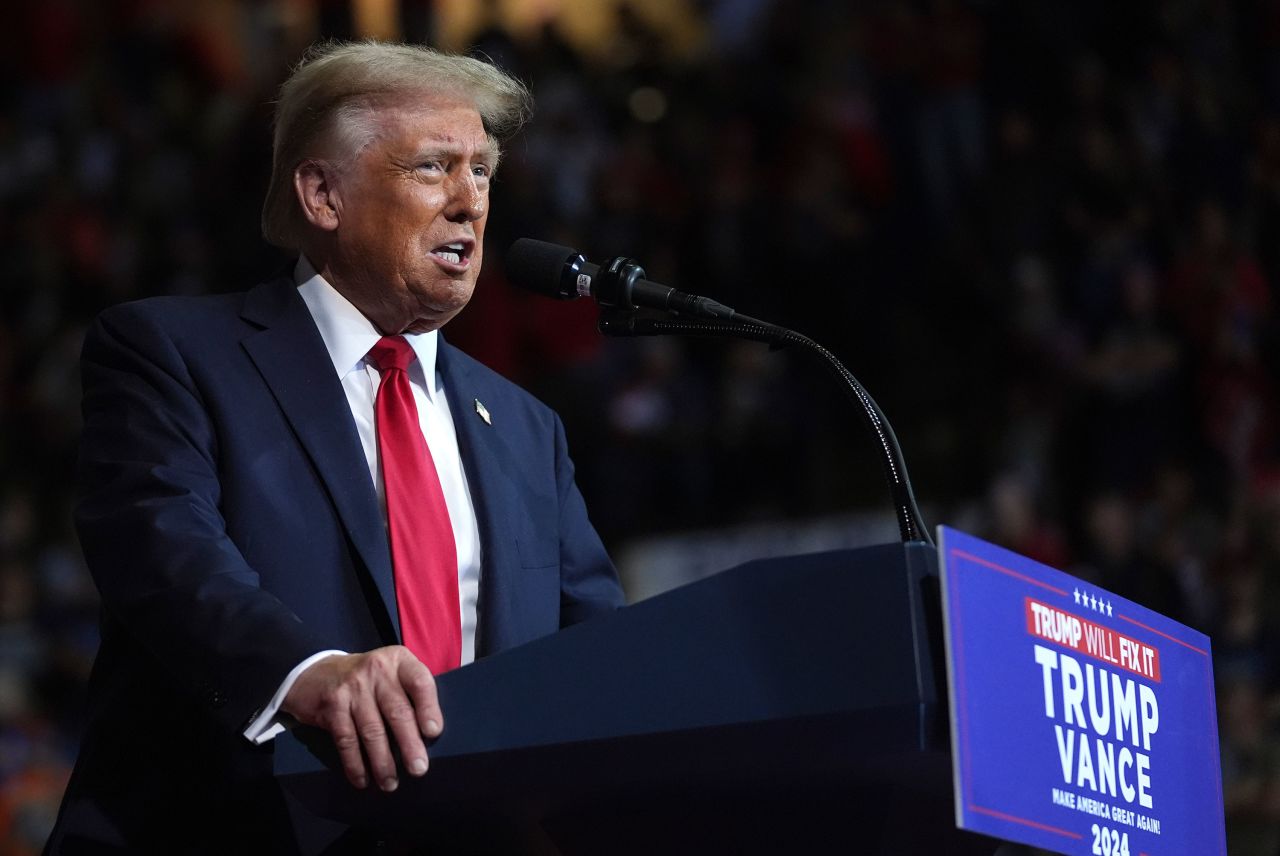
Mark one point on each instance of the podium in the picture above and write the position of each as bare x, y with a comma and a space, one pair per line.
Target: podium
785, 705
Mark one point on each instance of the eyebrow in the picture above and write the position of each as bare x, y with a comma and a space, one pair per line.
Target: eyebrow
487, 153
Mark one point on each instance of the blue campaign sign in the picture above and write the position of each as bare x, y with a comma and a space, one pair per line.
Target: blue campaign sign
1081, 722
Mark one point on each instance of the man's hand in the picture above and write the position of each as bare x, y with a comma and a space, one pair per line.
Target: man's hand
356, 697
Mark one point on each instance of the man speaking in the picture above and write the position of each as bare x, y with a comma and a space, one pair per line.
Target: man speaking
300, 503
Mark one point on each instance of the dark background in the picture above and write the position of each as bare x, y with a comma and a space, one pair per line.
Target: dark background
1044, 235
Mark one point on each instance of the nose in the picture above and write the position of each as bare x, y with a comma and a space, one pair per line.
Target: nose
467, 201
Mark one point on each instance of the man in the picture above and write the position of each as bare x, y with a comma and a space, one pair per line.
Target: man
283, 485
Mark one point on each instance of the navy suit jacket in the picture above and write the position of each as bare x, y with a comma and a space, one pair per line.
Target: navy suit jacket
230, 523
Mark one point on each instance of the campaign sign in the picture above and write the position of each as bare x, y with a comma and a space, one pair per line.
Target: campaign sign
1081, 722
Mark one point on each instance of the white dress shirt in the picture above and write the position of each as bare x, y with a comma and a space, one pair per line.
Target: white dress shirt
348, 336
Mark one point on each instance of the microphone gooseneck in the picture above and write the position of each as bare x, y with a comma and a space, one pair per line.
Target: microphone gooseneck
620, 286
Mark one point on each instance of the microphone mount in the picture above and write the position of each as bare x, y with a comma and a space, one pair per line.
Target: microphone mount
616, 281
621, 283
565, 274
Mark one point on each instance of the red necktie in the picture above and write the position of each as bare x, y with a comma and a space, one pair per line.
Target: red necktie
423, 552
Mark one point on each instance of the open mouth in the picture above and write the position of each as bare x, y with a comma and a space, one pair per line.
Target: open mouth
454, 253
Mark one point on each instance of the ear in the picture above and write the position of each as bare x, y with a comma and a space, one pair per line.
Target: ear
313, 182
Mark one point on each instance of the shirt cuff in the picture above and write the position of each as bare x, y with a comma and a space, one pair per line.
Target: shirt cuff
266, 724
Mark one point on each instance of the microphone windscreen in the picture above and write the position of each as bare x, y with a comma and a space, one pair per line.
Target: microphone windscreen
539, 266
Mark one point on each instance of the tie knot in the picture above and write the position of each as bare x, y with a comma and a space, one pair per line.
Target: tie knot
391, 352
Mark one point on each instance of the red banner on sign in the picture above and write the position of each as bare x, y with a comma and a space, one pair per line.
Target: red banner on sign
1084, 636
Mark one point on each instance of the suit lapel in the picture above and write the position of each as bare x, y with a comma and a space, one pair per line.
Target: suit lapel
485, 460
292, 359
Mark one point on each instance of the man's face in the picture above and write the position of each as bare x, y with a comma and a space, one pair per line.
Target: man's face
411, 214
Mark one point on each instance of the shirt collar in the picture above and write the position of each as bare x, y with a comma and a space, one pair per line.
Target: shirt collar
347, 334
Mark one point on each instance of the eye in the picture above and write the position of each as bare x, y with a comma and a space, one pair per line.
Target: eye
481, 170
430, 166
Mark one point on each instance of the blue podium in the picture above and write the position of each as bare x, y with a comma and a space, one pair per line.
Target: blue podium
782, 706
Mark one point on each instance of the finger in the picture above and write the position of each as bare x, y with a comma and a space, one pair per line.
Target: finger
420, 686
398, 713
347, 741
373, 738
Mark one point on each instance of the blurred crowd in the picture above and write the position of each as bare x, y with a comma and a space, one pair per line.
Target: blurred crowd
1046, 236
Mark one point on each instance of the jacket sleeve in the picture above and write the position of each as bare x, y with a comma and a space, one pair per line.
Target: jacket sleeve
153, 533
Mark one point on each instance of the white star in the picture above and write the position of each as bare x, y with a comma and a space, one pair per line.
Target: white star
1108, 607
1077, 594
1093, 603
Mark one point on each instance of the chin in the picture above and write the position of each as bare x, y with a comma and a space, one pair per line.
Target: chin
433, 320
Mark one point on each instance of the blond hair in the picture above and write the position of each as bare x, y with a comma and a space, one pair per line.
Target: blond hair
327, 109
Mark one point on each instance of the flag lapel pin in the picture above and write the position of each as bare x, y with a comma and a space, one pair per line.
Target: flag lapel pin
484, 412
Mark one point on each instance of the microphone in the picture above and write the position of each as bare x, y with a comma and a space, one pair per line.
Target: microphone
565, 274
